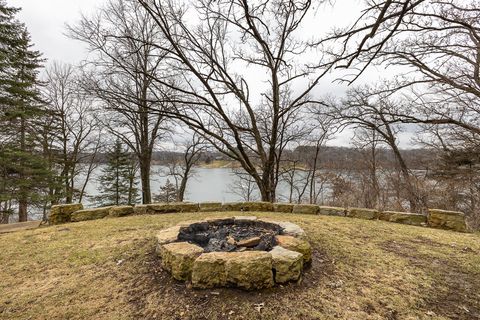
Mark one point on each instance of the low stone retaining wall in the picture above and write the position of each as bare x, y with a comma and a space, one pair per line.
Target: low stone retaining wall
90, 214
248, 206
413, 219
363, 213
62, 213
449, 220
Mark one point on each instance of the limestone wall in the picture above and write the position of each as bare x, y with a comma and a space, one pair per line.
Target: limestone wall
62, 213
451, 220
436, 218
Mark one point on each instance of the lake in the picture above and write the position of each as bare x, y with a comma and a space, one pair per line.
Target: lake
207, 184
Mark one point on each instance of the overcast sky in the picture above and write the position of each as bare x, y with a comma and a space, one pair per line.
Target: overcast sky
46, 20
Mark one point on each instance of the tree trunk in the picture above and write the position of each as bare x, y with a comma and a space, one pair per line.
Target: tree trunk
131, 183
267, 191
182, 188
22, 201
22, 210
412, 196
68, 189
312, 178
145, 180
4, 213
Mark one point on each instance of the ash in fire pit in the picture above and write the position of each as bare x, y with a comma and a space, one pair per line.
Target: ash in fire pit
228, 236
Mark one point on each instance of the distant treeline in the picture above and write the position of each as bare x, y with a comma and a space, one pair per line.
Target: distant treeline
331, 157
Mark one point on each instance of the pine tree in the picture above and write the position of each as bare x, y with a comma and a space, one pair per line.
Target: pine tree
118, 178
25, 172
168, 193
9, 29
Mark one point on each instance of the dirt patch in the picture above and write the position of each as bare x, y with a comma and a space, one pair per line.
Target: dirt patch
153, 293
428, 242
456, 292
403, 250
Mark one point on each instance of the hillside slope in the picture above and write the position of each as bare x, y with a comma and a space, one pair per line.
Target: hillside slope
108, 269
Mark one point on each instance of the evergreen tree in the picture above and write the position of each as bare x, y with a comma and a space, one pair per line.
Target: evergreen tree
25, 173
117, 181
168, 193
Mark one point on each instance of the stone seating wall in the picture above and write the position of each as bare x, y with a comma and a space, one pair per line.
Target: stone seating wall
436, 218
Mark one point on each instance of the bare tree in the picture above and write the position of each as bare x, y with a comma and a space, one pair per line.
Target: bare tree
243, 185
367, 142
324, 127
358, 45
436, 44
296, 176
459, 173
454, 175
374, 112
301, 169
182, 170
239, 77
90, 164
71, 135
120, 75
441, 43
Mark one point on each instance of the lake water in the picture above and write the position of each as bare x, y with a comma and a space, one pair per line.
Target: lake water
207, 184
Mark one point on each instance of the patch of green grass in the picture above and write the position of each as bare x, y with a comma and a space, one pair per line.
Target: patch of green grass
108, 269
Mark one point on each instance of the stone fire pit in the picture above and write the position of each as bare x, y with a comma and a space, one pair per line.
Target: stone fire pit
243, 252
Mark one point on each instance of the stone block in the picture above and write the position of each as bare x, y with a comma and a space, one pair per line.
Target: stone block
363, 213
258, 206
283, 207
245, 220
449, 220
297, 245
62, 213
90, 214
287, 264
172, 207
305, 209
178, 258
332, 211
210, 206
167, 236
220, 221
250, 269
120, 211
209, 270
248, 206
140, 209
413, 219
232, 206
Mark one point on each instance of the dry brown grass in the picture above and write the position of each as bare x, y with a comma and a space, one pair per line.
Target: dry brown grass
107, 269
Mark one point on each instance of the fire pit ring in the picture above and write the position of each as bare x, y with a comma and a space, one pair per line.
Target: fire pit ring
241, 251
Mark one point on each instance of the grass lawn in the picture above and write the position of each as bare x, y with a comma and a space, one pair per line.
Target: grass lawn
108, 269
